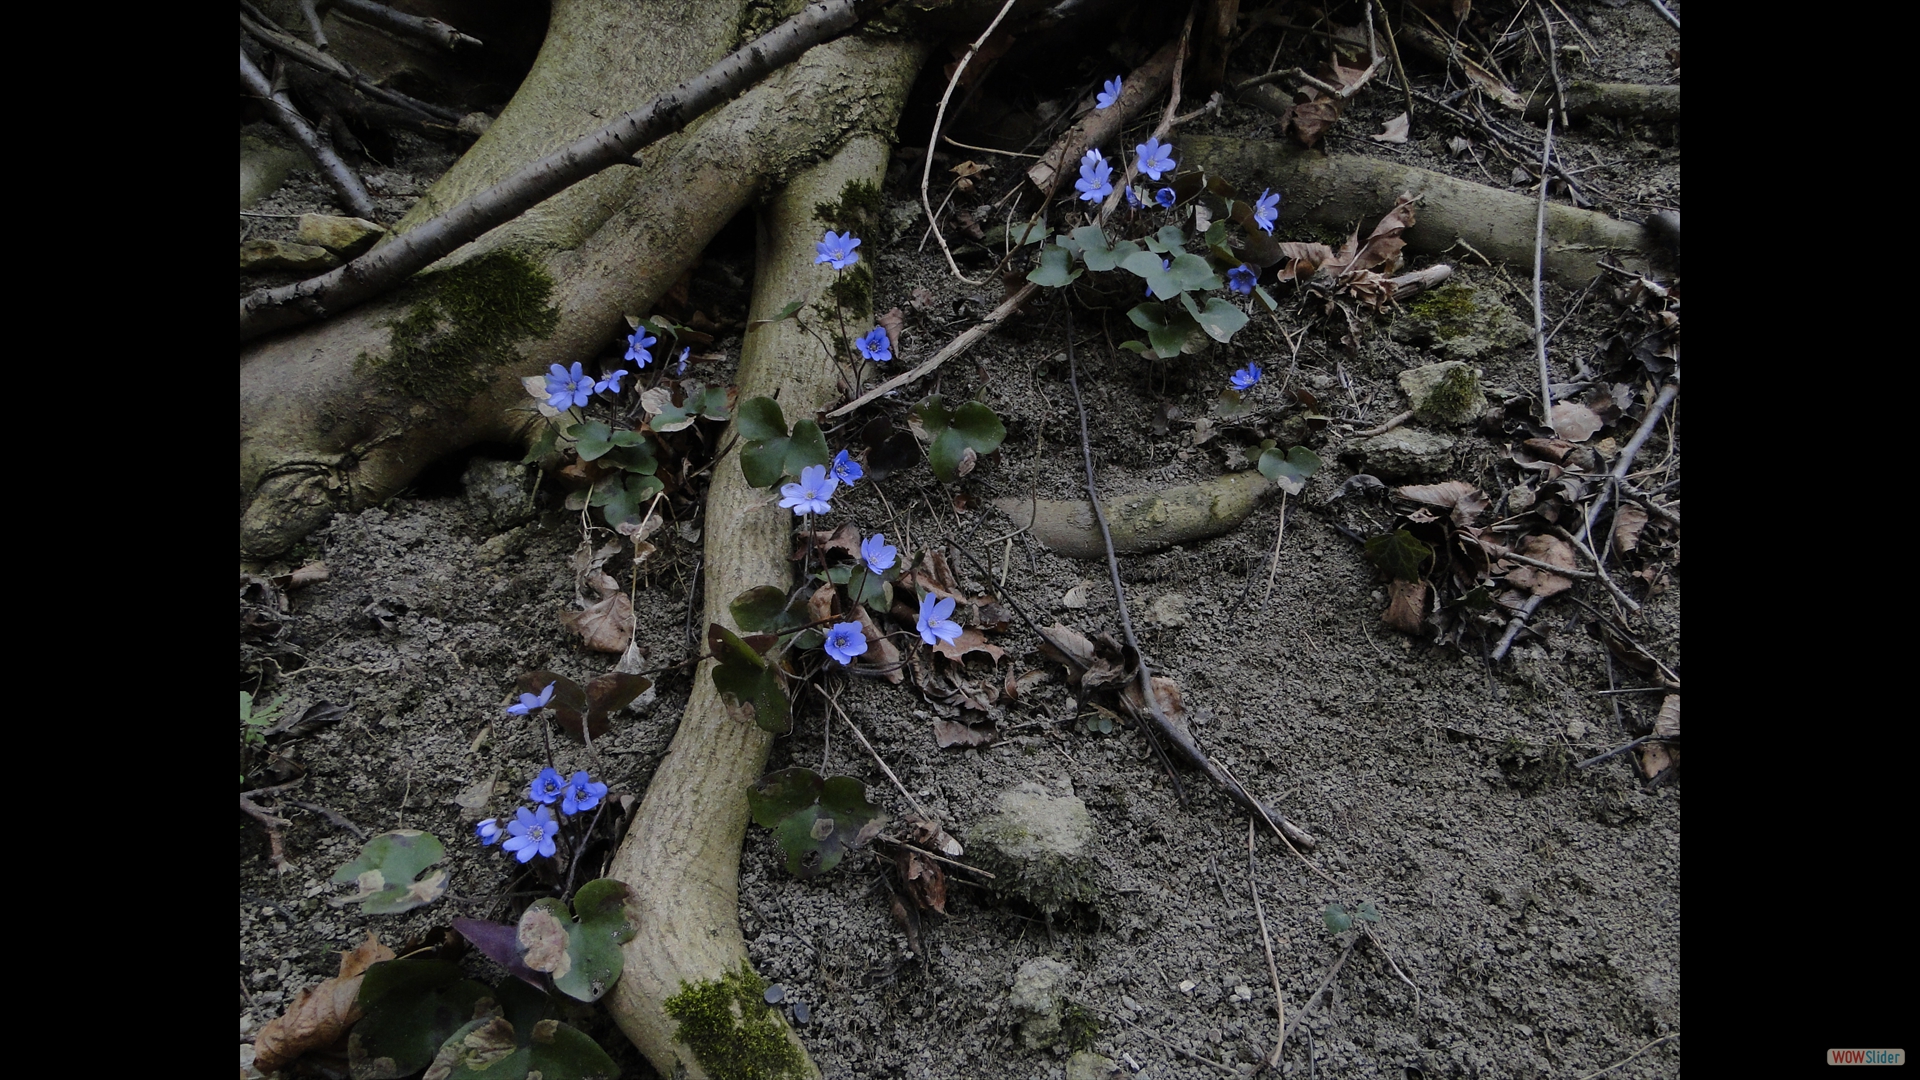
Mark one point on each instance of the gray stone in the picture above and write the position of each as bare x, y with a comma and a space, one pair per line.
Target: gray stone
497, 491
1460, 323
1087, 1065
263, 168
1407, 453
1038, 848
1447, 393
259, 255
344, 236
1039, 995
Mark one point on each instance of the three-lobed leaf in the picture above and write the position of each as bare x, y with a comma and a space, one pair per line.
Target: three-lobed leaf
747, 681
1289, 470
388, 872
816, 821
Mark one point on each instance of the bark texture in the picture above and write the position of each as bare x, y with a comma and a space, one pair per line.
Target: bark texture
682, 853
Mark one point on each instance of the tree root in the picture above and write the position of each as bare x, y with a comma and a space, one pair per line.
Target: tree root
1141, 523
682, 853
1342, 190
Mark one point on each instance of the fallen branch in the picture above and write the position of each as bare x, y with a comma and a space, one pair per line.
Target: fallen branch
266, 310
1637, 100
344, 183
431, 31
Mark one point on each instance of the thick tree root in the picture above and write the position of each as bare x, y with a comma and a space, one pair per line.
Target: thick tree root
682, 854
1340, 190
1141, 523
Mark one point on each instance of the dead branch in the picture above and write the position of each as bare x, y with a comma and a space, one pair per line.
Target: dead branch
1637, 100
432, 31
344, 183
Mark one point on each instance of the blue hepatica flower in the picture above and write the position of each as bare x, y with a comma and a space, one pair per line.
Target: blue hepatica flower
875, 345
877, 553
489, 831
532, 702
1155, 158
845, 641
1165, 264
611, 382
1133, 200
845, 469
1096, 174
1244, 379
1266, 210
582, 793
935, 623
810, 495
637, 346
1241, 278
1109, 94
1164, 197
566, 389
837, 250
530, 834
546, 787
680, 365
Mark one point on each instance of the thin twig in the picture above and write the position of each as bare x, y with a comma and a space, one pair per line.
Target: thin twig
1266, 939
1663, 1038
1600, 571
428, 30
1273, 568
1665, 13
1324, 983
294, 49
331, 815
1539, 259
953, 348
939, 118
1393, 48
1553, 66
878, 760
344, 183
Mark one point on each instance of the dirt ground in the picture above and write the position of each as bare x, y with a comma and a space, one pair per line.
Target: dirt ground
1532, 910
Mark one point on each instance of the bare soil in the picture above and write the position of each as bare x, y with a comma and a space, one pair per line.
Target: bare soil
1533, 909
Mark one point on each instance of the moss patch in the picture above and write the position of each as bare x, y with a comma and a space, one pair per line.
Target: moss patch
1078, 1026
731, 1030
462, 324
1450, 310
858, 208
1460, 323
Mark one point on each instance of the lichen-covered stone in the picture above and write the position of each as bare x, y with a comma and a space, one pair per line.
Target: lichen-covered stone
1038, 847
1407, 453
344, 236
1459, 322
1039, 994
1087, 1065
1447, 393
498, 491
261, 255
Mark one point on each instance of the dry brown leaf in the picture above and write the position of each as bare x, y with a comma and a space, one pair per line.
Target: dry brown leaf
895, 322
320, 1015
603, 627
969, 641
544, 937
1546, 549
311, 574
1395, 130
948, 734
1310, 119
845, 539
1406, 606
1628, 521
1168, 691
926, 881
1575, 422
820, 604
881, 651
928, 833
1462, 499
1382, 249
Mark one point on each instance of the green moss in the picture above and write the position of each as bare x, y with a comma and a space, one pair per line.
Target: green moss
462, 324
1078, 1026
1450, 310
731, 1030
858, 208
1457, 392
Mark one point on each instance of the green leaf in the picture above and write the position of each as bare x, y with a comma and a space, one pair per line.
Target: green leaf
627, 496
747, 681
785, 313
764, 463
1266, 298
593, 439
494, 1048
1291, 469
1232, 404
1097, 251
807, 447
1146, 264
1169, 239
1136, 346
760, 420
542, 446
1399, 553
759, 610
709, 401
1190, 273
388, 872
1368, 912
1336, 918
1056, 267
816, 821
409, 1007
972, 426
1181, 334
1219, 318
582, 954
1216, 234
873, 588
1149, 315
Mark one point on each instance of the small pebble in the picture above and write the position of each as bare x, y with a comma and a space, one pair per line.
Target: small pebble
775, 994
801, 1014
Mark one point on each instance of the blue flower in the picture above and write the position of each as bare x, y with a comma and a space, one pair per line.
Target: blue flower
489, 831
532, 702
566, 389
845, 469
680, 365
583, 793
1164, 197
935, 625
1133, 200
547, 786
1095, 181
1109, 95
531, 834
1155, 158
1241, 278
611, 382
1266, 210
810, 495
845, 641
1244, 379
875, 345
877, 553
837, 250
1165, 264
637, 346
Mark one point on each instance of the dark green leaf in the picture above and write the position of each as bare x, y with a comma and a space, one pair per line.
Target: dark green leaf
542, 446
591, 961
1336, 918
409, 1007
1399, 553
592, 439
1150, 315
1169, 239
627, 496
1056, 267
747, 681
785, 313
1218, 319
759, 610
1368, 912
1291, 469
388, 872
972, 426
1265, 297
764, 463
807, 447
1190, 273
760, 419
816, 821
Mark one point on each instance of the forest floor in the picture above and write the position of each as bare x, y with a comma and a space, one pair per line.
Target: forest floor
1529, 910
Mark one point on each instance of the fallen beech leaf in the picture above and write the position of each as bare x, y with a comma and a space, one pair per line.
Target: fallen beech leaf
1394, 132
310, 574
926, 882
949, 734
1628, 521
1310, 119
320, 1015
1465, 501
881, 653
969, 641
1546, 549
603, 627
1407, 606
1166, 690
1574, 422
